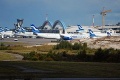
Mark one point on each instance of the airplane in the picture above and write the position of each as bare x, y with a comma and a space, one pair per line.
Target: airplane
1, 30
44, 35
97, 34
23, 33
6, 32
91, 34
74, 36
80, 35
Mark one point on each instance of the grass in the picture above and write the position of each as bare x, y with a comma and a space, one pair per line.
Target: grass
54, 69
14, 43
6, 56
19, 48
64, 69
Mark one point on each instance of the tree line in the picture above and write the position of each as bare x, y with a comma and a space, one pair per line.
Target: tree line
82, 55
60, 53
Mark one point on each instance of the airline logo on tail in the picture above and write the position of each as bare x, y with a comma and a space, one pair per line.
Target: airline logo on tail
1, 29
80, 28
34, 29
6, 29
21, 30
108, 34
92, 35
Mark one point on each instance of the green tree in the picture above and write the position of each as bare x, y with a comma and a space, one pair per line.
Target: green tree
84, 45
98, 55
63, 45
76, 46
81, 55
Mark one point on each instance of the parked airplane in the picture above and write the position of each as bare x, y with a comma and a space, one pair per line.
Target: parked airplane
97, 34
1, 30
6, 32
73, 36
81, 34
23, 33
44, 35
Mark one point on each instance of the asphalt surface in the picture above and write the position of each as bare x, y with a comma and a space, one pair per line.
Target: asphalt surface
30, 41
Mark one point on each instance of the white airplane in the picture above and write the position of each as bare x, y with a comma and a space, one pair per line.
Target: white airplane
6, 32
97, 34
73, 36
44, 35
22, 32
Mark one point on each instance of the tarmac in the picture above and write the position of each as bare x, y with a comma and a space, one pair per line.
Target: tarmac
105, 42
29, 41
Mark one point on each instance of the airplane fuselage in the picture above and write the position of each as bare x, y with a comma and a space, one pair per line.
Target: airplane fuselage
7, 33
49, 35
74, 36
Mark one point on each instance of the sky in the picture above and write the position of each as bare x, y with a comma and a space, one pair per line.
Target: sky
71, 12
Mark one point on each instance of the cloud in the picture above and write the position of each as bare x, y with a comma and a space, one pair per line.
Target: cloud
18, 2
69, 11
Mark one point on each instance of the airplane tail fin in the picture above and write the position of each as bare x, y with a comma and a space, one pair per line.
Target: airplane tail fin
6, 29
23, 30
79, 28
1, 29
19, 30
108, 34
34, 29
92, 35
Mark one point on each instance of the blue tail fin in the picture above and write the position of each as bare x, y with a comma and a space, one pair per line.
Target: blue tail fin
34, 29
108, 34
80, 28
21, 30
1, 29
6, 29
92, 35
